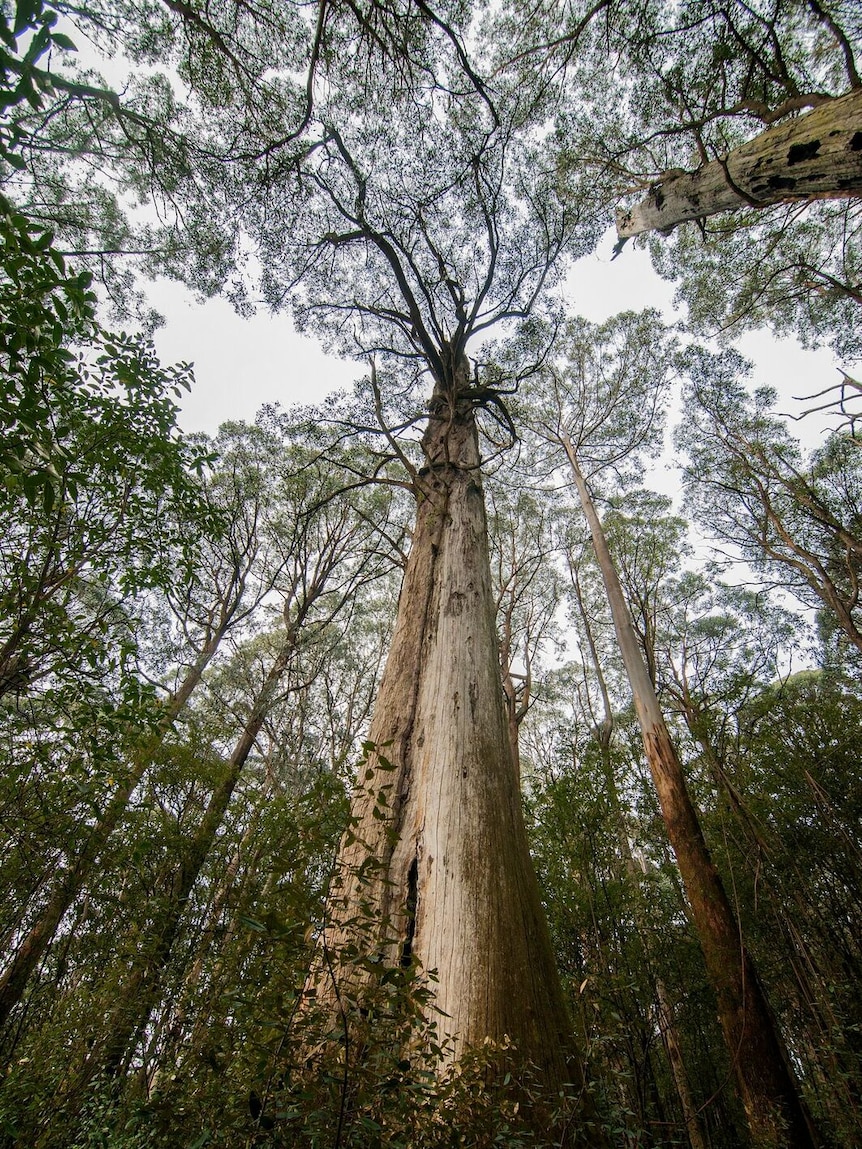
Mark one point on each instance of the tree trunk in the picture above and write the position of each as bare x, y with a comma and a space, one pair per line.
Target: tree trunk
634, 873
169, 1053
774, 1110
815, 156
139, 993
436, 864
40, 935
670, 1040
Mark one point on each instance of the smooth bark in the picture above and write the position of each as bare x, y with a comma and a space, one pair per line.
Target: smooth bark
815, 156
775, 1113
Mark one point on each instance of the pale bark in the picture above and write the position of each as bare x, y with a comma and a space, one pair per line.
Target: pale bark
775, 1113
815, 156
437, 854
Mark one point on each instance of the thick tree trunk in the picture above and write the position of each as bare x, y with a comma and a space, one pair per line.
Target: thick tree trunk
436, 867
816, 156
775, 1112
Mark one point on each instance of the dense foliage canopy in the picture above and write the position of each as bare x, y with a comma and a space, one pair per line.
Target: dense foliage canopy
193, 629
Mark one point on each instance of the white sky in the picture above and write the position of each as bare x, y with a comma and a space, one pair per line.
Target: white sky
242, 363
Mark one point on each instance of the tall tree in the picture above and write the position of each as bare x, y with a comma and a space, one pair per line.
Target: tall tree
588, 406
527, 591
228, 580
328, 553
749, 483
436, 223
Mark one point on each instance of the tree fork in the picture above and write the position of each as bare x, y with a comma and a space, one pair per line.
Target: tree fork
815, 156
776, 1114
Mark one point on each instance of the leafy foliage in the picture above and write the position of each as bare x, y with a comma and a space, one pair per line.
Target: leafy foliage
193, 631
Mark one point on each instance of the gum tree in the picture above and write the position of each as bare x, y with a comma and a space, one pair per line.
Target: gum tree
602, 402
404, 238
795, 517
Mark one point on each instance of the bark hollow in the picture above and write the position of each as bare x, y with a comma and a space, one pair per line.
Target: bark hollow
816, 156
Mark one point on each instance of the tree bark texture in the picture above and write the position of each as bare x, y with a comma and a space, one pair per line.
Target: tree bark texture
815, 156
775, 1113
437, 861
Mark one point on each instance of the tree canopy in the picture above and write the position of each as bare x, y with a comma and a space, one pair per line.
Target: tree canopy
396, 769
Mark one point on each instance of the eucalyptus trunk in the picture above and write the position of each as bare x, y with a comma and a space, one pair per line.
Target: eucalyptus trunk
775, 1112
435, 870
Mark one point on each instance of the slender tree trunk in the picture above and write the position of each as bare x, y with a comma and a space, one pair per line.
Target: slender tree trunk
140, 991
177, 1047
816, 156
775, 1112
436, 862
39, 936
510, 697
666, 1020
670, 1039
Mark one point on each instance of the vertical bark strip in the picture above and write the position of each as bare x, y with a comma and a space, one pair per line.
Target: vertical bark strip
775, 1112
445, 874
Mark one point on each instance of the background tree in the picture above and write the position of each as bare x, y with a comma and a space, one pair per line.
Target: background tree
674, 99
588, 400
796, 519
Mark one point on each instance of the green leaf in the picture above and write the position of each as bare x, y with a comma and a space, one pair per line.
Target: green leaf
253, 924
62, 41
25, 14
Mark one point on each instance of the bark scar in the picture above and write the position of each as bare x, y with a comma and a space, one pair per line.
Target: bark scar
410, 910
800, 152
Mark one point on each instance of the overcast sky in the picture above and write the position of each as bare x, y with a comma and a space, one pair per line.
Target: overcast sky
241, 364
